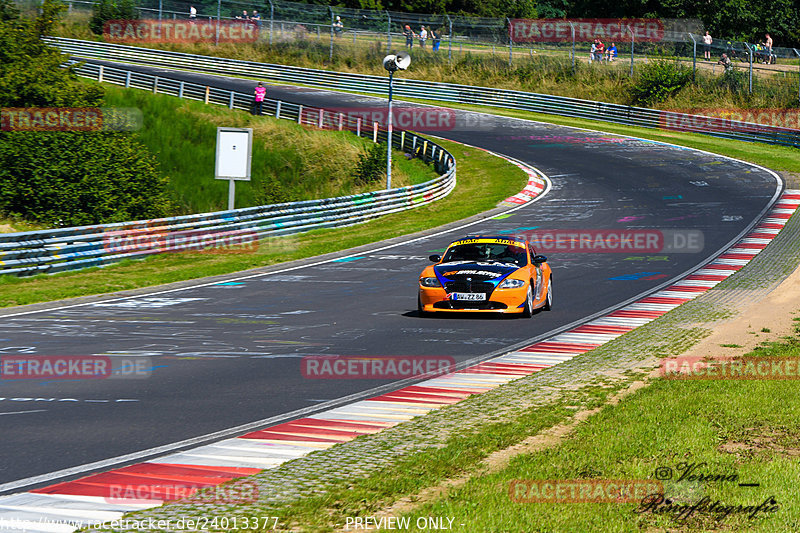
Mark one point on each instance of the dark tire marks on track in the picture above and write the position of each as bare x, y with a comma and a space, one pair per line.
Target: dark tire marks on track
229, 354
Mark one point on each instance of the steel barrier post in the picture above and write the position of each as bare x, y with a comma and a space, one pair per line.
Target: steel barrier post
205, 99
388, 136
750, 82
510, 41
155, 84
450, 45
300, 115
278, 110
100, 74
230, 101
358, 127
219, 14
330, 56
798, 74
180, 89
632, 43
271, 20
160, 5
572, 53
694, 56
128, 79
388, 33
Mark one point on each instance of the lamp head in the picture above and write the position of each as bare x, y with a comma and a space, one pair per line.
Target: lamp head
395, 62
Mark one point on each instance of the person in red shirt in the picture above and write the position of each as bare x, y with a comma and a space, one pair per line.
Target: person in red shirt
260, 93
600, 50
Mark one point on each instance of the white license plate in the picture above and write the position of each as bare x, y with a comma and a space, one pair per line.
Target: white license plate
468, 296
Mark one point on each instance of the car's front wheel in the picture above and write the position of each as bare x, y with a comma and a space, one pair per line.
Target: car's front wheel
548, 302
527, 311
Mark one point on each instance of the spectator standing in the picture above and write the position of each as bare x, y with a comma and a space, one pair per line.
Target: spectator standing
192, 14
409, 35
258, 101
768, 46
611, 52
423, 36
592, 51
436, 38
707, 40
338, 27
256, 18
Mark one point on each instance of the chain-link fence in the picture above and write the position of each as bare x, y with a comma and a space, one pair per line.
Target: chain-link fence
628, 41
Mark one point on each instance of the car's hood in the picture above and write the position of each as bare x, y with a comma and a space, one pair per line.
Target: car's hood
491, 272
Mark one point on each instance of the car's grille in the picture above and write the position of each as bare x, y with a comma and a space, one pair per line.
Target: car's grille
486, 305
469, 286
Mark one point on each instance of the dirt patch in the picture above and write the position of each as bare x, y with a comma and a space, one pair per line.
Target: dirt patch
6, 228
498, 460
757, 441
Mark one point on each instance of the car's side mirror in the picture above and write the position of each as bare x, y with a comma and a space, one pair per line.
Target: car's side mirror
435, 258
539, 259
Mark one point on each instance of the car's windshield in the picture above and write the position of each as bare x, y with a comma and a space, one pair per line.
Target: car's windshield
487, 252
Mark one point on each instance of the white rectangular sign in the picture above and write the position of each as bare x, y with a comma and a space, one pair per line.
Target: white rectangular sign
234, 151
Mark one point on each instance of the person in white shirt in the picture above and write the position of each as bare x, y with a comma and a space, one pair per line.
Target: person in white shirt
707, 40
192, 13
423, 36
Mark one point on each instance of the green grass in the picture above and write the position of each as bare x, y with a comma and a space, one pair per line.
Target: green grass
483, 181
460, 454
747, 428
290, 162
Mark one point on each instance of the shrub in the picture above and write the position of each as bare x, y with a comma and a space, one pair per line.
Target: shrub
371, 164
76, 178
733, 80
658, 80
106, 10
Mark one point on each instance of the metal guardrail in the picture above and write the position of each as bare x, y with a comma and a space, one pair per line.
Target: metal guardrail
57, 250
446, 92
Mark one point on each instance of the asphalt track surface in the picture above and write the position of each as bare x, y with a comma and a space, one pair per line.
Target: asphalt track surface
228, 354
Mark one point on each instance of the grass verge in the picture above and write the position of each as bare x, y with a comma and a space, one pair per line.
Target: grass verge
290, 162
744, 431
483, 180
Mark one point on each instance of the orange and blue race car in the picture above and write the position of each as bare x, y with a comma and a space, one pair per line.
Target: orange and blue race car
485, 274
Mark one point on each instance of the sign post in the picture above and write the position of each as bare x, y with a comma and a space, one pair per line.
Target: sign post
234, 153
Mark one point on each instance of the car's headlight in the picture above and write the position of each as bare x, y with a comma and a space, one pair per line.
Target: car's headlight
509, 283
429, 282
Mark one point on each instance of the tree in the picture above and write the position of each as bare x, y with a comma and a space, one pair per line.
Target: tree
65, 178
30, 70
106, 10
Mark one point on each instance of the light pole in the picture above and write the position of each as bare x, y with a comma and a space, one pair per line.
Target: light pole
392, 63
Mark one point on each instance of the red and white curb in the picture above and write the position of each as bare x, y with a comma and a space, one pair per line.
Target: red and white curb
100, 498
533, 189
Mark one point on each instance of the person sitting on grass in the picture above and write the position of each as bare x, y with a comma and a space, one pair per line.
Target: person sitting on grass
600, 50
611, 52
725, 61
